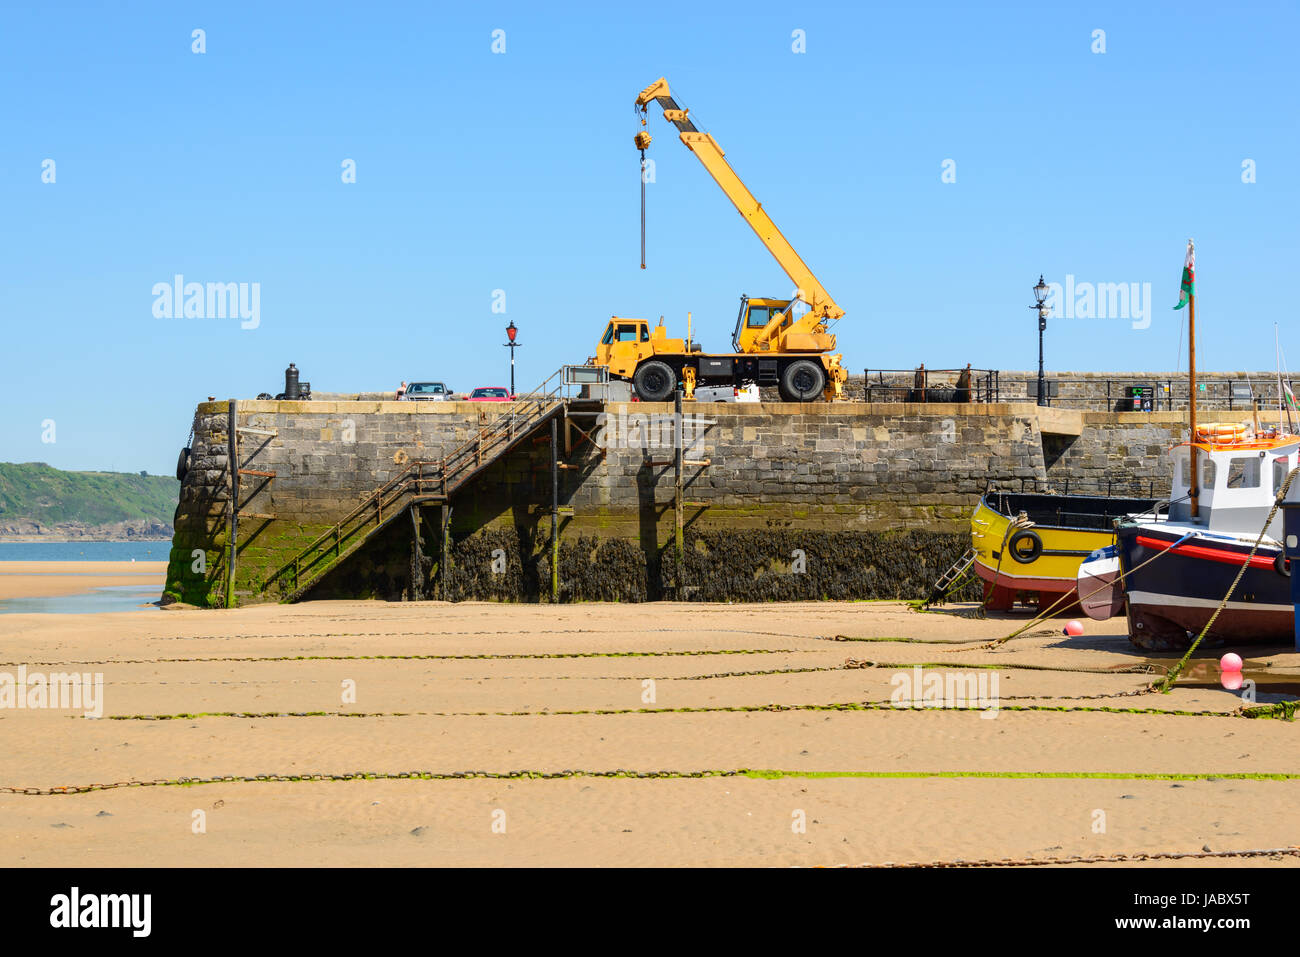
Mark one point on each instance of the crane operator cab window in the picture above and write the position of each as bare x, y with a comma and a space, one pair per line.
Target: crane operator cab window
759, 316
625, 332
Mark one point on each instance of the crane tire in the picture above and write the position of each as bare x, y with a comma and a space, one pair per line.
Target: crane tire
654, 381
802, 381
1035, 546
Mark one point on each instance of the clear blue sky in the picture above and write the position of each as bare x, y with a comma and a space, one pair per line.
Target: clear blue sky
479, 171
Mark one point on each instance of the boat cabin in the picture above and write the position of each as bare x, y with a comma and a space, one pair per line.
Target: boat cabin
1240, 474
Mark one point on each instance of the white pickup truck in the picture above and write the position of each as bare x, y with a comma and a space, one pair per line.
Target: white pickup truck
427, 392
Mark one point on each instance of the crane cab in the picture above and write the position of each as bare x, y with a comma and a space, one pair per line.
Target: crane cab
772, 325
755, 316
626, 342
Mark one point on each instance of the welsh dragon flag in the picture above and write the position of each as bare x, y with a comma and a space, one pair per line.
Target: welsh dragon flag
1290, 396
1189, 277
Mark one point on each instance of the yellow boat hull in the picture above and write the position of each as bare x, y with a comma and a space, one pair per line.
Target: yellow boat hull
1038, 564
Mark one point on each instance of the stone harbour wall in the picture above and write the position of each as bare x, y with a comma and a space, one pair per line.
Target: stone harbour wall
876, 497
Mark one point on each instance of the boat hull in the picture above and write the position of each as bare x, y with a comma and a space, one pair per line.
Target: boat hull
1042, 567
1172, 598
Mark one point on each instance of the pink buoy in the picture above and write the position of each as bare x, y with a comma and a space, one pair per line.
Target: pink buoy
1074, 628
1230, 662
1231, 680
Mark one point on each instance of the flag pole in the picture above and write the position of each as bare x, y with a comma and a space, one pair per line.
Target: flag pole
1277, 359
1284, 396
1195, 484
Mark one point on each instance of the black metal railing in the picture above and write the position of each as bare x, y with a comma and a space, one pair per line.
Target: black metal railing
931, 385
1152, 394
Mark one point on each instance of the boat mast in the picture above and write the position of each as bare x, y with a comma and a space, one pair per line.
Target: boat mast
1194, 486
1277, 360
1277, 348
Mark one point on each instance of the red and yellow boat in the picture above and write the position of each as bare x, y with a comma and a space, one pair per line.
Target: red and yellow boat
1029, 545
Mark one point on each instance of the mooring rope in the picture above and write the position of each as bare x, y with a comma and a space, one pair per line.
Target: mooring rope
1274, 852
1143, 669
477, 657
758, 774
1050, 608
1285, 710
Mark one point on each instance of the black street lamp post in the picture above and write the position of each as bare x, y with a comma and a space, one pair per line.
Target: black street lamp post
511, 332
1040, 305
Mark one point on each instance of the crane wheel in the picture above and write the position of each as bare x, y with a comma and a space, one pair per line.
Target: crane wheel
802, 381
654, 381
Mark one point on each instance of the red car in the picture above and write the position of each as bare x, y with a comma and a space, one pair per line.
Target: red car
490, 393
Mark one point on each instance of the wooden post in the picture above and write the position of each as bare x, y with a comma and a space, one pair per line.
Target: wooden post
417, 556
444, 561
232, 460
555, 513
1194, 487
678, 538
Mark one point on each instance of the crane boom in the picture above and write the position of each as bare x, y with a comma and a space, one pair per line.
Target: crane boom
706, 149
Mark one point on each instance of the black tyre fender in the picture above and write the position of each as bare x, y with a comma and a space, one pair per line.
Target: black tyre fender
802, 381
654, 380
1035, 546
183, 465
1282, 565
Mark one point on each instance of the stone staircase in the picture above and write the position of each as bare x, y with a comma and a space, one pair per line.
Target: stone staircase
420, 482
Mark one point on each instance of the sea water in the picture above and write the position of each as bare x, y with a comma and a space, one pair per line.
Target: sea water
107, 598
84, 551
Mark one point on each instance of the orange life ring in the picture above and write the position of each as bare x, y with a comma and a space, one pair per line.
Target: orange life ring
1225, 432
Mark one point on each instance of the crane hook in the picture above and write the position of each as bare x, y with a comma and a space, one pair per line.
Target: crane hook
642, 140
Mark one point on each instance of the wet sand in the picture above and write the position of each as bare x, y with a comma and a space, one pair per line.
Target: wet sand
47, 579
584, 691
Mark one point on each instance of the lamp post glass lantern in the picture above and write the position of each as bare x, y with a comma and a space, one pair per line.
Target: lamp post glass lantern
511, 344
1041, 307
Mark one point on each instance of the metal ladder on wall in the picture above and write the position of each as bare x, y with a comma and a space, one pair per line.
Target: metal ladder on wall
949, 578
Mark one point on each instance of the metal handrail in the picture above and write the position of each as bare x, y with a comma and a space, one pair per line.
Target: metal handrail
449, 473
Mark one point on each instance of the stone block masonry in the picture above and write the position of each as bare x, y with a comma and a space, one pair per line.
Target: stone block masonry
891, 485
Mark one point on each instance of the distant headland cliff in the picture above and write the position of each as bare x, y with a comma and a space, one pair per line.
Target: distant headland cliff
42, 503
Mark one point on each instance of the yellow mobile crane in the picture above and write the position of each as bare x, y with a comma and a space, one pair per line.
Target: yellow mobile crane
781, 342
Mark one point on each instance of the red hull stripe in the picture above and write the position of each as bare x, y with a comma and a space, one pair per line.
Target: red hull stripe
1200, 551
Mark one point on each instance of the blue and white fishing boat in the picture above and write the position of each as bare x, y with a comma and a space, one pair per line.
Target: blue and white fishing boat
1169, 599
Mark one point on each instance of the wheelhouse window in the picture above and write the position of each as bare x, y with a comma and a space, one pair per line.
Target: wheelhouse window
1279, 470
1243, 472
1207, 473
1183, 471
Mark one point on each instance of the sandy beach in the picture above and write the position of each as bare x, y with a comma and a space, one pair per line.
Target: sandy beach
45, 579
594, 695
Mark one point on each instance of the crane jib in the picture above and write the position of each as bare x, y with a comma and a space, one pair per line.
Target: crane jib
683, 125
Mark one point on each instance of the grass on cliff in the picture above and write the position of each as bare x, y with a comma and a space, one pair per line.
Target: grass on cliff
40, 493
